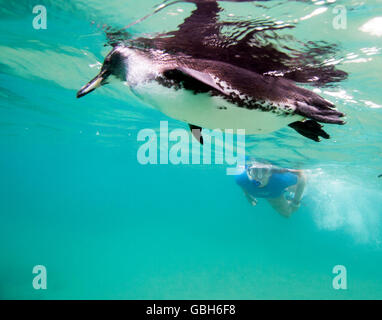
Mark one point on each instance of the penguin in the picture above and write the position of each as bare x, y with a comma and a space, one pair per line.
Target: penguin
210, 92
216, 95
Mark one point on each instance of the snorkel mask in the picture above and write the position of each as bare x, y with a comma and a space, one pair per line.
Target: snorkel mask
260, 172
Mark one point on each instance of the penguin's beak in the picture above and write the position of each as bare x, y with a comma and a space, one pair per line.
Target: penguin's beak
91, 85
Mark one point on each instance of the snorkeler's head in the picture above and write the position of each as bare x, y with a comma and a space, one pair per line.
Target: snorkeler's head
259, 171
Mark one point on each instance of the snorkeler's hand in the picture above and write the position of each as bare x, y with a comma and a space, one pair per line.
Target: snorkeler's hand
300, 187
295, 204
251, 200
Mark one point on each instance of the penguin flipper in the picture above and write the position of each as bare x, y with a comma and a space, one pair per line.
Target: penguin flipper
197, 133
310, 129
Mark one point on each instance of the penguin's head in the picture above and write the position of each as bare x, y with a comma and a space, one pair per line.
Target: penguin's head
114, 65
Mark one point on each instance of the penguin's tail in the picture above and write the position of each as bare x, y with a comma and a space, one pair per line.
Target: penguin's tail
321, 111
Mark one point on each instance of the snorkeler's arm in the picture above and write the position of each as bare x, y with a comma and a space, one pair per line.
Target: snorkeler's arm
300, 187
251, 200
287, 207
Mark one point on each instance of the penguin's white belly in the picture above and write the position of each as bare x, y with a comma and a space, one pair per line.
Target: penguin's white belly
210, 112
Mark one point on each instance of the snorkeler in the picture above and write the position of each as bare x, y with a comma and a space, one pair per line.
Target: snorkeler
282, 188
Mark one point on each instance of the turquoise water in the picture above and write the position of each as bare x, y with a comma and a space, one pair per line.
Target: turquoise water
74, 198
